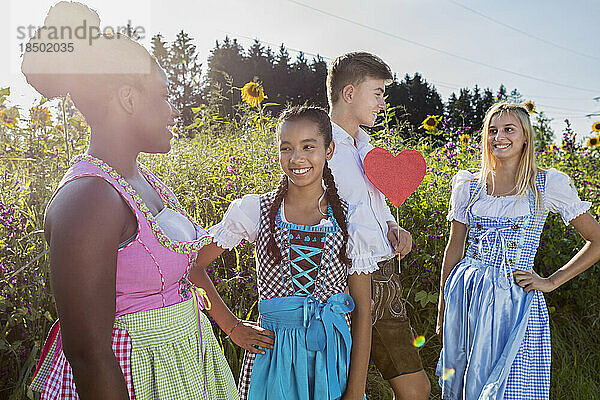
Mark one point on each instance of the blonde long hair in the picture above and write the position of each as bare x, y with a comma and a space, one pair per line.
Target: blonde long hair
527, 170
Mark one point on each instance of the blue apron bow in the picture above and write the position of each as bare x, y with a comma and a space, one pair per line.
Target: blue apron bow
324, 319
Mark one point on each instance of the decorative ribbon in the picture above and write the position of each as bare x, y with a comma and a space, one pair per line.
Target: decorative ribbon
321, 320
202, 298
497, 236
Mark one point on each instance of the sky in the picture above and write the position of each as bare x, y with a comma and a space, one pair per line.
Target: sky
548, 50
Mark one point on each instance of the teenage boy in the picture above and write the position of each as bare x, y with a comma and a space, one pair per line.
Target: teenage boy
355, 87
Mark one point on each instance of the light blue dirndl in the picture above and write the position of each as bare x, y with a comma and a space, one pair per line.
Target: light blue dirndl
496, 336
311, 355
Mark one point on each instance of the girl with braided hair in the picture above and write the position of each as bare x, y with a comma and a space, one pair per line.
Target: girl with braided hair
302, 268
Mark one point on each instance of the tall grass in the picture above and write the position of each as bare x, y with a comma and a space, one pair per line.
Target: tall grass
230, 157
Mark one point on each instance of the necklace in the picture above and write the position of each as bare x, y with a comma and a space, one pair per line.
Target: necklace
502, 194
498, 194
318, 204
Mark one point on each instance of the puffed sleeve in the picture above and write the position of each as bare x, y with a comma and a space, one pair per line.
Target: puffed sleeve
459, 199
360, 249
241, 221
562, 197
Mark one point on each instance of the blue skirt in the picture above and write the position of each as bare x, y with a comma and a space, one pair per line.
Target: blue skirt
311, 355
485, 325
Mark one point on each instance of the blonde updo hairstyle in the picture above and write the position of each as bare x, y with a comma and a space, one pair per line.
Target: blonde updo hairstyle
98, 64
527, 169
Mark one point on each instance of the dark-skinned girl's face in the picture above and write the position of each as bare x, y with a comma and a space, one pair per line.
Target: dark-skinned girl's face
155, 115
302, 152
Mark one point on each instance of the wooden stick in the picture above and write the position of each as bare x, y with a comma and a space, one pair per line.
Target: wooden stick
398, 235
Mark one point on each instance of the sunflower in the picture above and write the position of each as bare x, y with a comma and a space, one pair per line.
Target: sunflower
529, 106
596, 126
9, 116
594, 141
40, 115
252, 93
430, 122
464, 139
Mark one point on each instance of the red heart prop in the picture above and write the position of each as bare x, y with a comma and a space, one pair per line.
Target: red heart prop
396, 177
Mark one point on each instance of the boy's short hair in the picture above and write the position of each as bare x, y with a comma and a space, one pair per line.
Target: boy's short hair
352, 69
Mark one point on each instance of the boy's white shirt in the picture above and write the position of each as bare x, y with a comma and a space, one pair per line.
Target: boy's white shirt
370, 212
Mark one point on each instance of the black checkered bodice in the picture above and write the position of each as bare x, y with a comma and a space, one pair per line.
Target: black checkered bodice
310, 263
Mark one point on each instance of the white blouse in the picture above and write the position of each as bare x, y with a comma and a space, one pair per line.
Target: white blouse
177, 227
560, 197
242, 221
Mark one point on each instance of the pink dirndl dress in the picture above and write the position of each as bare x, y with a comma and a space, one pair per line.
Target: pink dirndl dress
151, 277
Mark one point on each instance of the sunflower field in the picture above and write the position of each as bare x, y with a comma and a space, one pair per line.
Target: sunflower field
218, 159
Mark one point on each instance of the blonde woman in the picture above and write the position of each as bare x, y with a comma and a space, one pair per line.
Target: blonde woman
496, 336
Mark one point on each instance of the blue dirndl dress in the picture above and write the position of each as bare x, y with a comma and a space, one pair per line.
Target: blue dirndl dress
301, 299
496, 336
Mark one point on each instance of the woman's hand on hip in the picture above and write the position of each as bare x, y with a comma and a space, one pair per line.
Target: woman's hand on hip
532, 281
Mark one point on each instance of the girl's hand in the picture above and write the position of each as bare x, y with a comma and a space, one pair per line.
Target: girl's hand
532, 281
250, 335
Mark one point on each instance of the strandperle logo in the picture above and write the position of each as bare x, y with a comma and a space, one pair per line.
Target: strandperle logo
79, 32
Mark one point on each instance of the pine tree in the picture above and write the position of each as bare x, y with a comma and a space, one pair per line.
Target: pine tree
319, 76
544, 135
282, 76
226, 69
160, 50
502, 93
515, 97
418, 98
459, 109
180, 62
185, 76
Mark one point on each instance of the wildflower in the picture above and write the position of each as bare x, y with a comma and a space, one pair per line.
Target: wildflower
252, 93
529, 106
9, 116
464, 139
596, 126
430, 122
594, 141
40, 115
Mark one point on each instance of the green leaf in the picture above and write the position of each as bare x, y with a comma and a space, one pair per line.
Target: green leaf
5, 92
48, 316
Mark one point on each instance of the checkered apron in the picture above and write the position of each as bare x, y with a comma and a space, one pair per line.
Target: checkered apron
165, 353
496, 336
278, 279
54, 377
